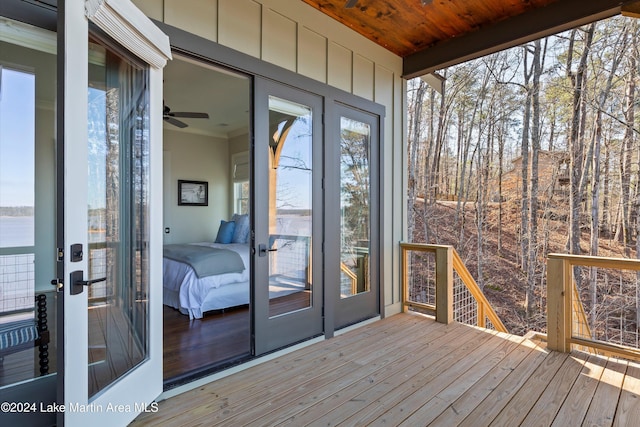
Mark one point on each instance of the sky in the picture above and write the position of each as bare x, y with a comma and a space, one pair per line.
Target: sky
17, 138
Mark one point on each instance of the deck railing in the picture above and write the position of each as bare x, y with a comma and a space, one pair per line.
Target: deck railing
17, 280
600, 311
436, 281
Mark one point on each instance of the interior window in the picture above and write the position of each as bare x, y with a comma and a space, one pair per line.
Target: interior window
241, 197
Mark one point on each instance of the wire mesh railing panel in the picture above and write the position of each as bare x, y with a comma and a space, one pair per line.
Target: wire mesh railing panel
465, 306
489, 324
291, 260
17, 283
606, 305
421, 280
98, 260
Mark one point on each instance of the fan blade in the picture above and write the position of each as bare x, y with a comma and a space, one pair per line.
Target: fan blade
189, 115
175, 122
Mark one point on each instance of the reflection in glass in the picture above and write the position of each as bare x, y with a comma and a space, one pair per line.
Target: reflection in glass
27, 183
354, 207
118, 178
290, 213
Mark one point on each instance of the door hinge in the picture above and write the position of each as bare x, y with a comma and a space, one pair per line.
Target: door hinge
60, 255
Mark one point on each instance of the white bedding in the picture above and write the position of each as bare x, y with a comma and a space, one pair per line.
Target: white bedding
192, 292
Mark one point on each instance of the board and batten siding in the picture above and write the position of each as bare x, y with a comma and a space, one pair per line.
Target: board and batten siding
297, 37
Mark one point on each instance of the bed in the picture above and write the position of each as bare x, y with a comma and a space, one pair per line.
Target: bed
193, 295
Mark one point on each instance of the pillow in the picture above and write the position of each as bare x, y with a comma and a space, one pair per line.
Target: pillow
225, 232
241, 233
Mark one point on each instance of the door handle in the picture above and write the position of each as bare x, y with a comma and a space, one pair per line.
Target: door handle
78, 283
262, 249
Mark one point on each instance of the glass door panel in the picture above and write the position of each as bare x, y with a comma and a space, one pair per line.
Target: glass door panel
355, 229
118, 234
28, 327
356, 163
287, 220
290, 206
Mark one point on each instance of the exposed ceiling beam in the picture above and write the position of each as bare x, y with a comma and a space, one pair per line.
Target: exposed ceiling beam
558, 16
632, 10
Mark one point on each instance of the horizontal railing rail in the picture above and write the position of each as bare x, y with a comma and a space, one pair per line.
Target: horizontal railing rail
445, 287
569, 324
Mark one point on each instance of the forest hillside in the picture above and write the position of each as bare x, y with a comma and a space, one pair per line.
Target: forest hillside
503, 281
530, 151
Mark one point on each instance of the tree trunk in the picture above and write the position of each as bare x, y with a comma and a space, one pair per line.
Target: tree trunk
415, 110
577, 145
538, 60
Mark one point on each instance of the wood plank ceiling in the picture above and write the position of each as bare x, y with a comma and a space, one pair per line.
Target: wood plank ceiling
430, 34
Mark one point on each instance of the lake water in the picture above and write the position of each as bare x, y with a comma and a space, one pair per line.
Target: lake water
16, 231
16, 271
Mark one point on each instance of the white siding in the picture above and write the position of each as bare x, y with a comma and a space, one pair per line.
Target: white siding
293, 35
279, 40
240, 25
340, 66
312, 54
363, 77
199, 16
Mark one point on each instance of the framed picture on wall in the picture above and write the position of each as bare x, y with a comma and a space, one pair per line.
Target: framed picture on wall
193, 193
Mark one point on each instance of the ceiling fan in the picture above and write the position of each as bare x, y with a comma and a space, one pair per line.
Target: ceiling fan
170, 116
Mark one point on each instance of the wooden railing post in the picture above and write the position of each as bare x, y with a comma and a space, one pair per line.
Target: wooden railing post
444, 285
558, 304
404, 260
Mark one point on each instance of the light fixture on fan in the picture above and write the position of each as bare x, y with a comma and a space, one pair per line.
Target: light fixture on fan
170, 116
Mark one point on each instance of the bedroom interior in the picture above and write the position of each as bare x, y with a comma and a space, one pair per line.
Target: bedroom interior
201, 334
207, 268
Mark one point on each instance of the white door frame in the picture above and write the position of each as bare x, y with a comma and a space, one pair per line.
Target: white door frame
122, 401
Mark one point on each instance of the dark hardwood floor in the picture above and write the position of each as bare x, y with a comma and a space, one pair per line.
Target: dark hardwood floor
194, 345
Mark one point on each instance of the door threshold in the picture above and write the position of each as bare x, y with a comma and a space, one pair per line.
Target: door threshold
249, 362
196, 374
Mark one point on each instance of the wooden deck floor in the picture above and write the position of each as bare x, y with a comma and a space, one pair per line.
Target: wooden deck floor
409, 370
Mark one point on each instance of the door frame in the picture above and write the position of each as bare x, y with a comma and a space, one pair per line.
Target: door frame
123, 400
366, 305
188, 44
271, 333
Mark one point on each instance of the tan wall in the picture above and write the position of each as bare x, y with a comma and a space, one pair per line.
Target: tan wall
293, 35
198, 158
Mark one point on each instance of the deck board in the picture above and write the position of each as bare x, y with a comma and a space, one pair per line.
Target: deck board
409, 370
628, 410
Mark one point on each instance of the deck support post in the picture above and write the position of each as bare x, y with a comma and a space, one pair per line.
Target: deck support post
558, 304
444, 285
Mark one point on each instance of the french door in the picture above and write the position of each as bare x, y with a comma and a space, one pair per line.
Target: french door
355, 165
112, 177
287, 215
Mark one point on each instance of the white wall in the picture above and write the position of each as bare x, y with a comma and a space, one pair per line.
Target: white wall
198, 158
295, 36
